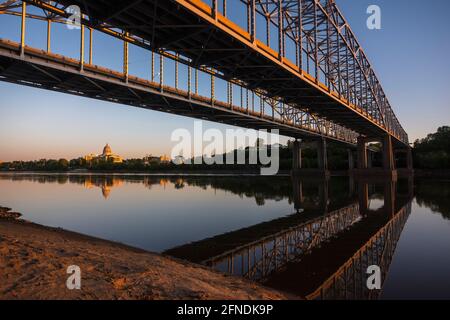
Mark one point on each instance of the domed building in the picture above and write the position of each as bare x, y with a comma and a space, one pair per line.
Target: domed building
106, 156
107, 151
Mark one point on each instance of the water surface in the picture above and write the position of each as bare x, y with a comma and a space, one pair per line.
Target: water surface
313, 238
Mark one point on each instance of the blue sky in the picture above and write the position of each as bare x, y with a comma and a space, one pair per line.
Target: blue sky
409, 54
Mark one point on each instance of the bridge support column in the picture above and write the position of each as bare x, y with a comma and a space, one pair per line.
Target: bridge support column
369, 159
388, 158
322, 163
362, 153
365, 167
388, 153
409, 163
409, 169
296, 156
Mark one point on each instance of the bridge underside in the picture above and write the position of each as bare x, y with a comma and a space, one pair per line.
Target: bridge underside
191, 32
57, 73
171, 26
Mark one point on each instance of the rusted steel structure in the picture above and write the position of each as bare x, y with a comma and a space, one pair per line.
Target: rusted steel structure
259, 259
350, 280
302, 250
313, 81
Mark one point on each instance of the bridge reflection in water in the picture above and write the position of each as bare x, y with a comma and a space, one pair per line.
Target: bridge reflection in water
324, 249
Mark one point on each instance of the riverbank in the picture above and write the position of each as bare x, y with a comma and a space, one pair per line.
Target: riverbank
34, 261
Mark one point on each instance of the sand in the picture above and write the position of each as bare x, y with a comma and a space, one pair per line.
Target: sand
34, 261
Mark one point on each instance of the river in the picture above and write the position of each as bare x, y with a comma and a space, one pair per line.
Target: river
313, 238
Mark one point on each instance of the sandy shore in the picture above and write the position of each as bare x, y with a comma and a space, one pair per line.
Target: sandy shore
34, 261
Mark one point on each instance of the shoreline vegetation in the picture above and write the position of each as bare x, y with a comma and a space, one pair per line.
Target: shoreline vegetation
34, 260
431, 157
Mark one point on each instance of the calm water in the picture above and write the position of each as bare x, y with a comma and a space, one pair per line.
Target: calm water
307, 237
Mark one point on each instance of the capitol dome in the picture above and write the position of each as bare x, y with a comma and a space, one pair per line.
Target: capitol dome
107, 150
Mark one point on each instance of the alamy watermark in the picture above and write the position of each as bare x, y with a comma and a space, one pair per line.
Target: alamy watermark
374, 279
74, 19
74, 280
236, 146
374, 19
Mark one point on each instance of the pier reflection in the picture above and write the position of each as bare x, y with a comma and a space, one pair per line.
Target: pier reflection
323, 250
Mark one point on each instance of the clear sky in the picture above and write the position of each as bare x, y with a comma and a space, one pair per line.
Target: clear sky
410, 55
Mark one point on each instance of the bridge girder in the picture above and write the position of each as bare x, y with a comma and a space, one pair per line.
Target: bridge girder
342, 91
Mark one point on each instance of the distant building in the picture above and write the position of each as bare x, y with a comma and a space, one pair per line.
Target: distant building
106, 156
164, 159
148, 160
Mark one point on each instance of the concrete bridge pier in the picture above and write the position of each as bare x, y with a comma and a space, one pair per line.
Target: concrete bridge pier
388, 154
322, 159
365, 168
296, 156
407, 154
362, 153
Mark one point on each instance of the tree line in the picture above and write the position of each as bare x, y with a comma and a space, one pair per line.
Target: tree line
432, 152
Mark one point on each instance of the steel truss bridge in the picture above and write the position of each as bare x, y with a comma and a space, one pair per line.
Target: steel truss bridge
313, 80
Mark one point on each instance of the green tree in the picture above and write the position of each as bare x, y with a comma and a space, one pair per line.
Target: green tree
433, 152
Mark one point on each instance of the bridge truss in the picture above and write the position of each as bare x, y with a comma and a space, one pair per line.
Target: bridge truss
327, 58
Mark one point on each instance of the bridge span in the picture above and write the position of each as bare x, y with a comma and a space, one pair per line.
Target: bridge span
314, 83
